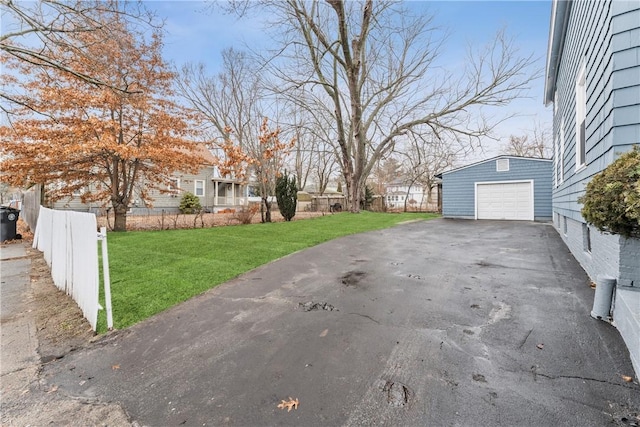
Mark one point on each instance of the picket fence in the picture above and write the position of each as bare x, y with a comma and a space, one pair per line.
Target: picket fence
69, 242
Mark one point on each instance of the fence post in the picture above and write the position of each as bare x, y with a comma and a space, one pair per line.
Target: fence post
107, 279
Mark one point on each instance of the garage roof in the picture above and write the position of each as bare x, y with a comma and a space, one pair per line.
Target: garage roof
493, 159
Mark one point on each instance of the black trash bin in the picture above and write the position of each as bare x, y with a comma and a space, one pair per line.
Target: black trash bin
8, 221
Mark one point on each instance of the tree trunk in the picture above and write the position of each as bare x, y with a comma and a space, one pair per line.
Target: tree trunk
406, 197
355, 195
120, 221
266, 217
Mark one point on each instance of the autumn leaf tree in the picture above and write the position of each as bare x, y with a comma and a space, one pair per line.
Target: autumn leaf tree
111, 144
232, 160
268, 162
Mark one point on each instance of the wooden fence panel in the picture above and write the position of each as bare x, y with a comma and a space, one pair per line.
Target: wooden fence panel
31, 206
69, 241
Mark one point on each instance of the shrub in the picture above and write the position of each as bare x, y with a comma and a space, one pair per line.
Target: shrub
245, 214
367, 200
287, 196
190, 203
612, 198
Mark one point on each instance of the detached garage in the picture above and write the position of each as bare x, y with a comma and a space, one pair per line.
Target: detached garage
504, 187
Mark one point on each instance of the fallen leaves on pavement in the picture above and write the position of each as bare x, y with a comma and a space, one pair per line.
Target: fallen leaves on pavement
290, 404
627, 378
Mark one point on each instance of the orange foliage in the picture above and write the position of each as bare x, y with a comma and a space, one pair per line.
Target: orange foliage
235, 161
269, 160
266, 159
108, 141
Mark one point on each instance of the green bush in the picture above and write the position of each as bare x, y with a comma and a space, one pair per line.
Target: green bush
287, 196
612, 199
190, 204
367, 200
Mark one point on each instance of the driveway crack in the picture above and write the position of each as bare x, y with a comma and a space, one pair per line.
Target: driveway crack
365, 316
524, 341
578, 377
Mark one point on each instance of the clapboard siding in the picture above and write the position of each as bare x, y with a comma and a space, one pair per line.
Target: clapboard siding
160, 200
605, 35
458, 185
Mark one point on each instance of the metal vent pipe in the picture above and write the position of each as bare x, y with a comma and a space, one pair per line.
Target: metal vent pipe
602, 300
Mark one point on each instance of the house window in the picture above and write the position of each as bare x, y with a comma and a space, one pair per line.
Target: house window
581, 115
198, 188
561, 159
502, 165
174, 187
558, 155
586, 238
556, 150
556, 169
564, 225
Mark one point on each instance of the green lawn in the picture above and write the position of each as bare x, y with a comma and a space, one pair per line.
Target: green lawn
154, 270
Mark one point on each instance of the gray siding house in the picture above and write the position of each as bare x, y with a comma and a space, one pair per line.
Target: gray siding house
215, 192
593, 81
504, 187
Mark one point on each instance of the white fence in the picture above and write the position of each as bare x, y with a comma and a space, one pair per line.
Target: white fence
69, 242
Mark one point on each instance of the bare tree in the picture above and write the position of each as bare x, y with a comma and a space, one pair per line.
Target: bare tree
228, 101
537, 143
372, 69
231, 106
314, 157
34, 34
423, 157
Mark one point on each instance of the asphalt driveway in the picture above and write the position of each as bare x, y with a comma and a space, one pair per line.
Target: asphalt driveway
434, 323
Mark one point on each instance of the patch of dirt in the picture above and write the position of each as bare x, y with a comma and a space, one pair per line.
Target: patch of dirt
173, 221
310, 306
61, 326
27, 397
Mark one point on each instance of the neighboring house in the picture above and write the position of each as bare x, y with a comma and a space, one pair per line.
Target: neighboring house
396, 193
503, 187
312, 200
215, 192
593, 81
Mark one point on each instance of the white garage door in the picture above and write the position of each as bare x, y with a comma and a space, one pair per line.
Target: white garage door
505, 200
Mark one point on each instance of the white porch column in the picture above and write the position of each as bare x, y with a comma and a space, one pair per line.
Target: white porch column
215, 193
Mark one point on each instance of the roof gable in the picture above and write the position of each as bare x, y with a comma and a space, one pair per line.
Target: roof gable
492, 159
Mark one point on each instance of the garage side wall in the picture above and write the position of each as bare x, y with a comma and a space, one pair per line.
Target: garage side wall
458, 186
